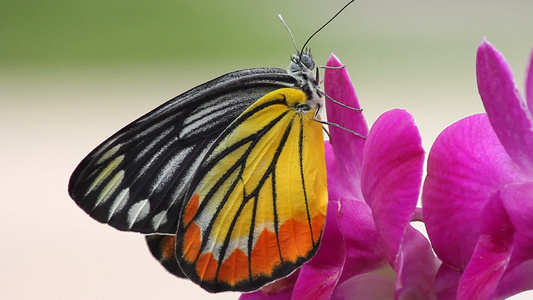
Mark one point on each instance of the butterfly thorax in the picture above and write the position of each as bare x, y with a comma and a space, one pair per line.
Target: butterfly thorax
301, 67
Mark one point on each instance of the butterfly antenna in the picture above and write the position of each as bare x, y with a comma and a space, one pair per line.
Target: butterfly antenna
290, 32
329, 21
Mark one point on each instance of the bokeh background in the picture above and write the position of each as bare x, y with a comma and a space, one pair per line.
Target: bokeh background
74, 72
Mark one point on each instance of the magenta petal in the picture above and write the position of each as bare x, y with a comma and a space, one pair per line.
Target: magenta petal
285, 294
364, 250
466, 165
416, 267
348, 147
339, 185
368, 286
320, 275
529, 83
280, 289
392, 175
335, 183
515, 281
507, 111
361, 240
446, 282
492, 254
518, 201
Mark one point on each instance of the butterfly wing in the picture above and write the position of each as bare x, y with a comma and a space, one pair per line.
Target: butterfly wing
162, 248
136, 179
257, 205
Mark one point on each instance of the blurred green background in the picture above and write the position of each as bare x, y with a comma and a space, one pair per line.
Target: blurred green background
413, 54
112, 34
74, 72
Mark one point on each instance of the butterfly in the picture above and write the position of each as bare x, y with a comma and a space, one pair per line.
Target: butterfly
227, 180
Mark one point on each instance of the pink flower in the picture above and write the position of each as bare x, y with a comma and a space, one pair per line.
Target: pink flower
478, 194
368, 249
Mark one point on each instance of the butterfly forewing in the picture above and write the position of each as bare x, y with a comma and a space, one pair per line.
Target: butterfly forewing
137, 179
257, 205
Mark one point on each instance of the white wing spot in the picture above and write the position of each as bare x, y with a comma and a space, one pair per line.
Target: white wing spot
167, 171
155, 141
189, 174
110, 188
108, 170
159, 219
119, 203
138, 211
108, 154
103, 147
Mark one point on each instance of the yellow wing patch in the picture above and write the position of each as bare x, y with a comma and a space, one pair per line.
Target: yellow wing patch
258, 207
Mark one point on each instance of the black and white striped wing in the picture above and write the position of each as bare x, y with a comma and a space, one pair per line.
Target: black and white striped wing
136, 179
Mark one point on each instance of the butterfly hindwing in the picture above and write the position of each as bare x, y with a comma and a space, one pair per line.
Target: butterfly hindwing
136, 180
257, 205
163, 248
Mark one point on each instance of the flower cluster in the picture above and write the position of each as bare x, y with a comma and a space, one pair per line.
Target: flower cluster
478, 193
477, 201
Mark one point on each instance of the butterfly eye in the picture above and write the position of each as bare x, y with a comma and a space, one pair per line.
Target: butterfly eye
307, 61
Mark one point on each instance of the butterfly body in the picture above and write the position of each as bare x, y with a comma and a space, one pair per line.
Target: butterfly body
227, 179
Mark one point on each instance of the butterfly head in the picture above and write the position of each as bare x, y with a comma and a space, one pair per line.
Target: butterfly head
302, 67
